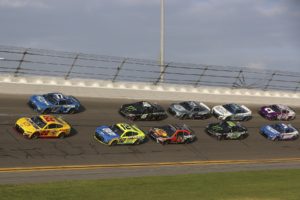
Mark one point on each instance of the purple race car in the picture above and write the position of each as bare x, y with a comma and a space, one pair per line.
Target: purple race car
277, 112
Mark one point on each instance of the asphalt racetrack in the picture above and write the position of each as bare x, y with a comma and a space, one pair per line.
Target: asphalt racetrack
82, 149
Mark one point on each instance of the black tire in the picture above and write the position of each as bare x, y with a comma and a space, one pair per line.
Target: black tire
165, 142
35, 136
247, 118
46, 111
276, 139
72, 111
114, 143
220, 137
137, 142
228, 118
184, 117
61, 135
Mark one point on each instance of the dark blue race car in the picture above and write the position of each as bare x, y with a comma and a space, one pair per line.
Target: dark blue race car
279, 131
54, 103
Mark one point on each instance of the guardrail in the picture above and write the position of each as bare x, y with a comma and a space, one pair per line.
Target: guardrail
22, 62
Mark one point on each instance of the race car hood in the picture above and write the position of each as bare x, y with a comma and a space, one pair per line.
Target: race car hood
215, 127
40, 101
221, 110
267, 111
160, 132
178, 107
106, 133
269, 131
129, 108
27, 125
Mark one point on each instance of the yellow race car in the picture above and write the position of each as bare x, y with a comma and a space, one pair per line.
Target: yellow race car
120, 133
43, 126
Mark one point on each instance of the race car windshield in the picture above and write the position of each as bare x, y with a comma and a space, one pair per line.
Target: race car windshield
170, 130
116, 129
50, 98
38, 121
275, 108
283, 129
234, 108
186, 106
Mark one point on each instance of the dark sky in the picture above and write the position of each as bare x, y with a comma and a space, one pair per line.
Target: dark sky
252, 33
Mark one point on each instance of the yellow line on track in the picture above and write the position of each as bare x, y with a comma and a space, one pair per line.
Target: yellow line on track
154, 164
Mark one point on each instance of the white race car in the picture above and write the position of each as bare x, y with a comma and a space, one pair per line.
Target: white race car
232, 112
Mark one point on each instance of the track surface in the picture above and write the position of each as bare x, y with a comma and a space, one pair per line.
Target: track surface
81, 148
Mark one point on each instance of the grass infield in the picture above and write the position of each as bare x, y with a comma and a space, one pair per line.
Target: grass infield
254, 185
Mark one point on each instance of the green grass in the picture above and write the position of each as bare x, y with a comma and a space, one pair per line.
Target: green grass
256, 185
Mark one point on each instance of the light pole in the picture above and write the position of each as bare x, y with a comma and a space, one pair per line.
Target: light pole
162, 35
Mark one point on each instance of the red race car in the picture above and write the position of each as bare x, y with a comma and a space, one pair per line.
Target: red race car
172, 134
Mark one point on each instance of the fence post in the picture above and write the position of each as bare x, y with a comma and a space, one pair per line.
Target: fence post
269, 81
200, 77
71, 67
297, 87
20, 63
161, 75
235, 83
119, 69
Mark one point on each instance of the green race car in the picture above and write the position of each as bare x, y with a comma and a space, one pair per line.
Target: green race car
120, 133
227, 130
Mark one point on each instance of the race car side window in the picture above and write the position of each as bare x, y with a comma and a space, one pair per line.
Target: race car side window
128, 134
52, 126
196, 109
62, 102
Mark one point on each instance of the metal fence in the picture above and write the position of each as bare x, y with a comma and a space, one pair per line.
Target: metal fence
28, 62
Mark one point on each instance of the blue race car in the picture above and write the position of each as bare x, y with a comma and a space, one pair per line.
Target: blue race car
279, 131
54, 103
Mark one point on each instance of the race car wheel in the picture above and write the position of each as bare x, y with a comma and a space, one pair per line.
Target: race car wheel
246, 118
137, 142
220, 137
34, 136
184, 117
227, 118
61, 135
114, 143
72, 111
46, 111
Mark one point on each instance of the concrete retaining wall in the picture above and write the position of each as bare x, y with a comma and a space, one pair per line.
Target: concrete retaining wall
107, 89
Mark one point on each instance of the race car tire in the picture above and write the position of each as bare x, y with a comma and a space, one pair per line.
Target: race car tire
72, 111
61, 135
114, 143
137, 142
220, 137
227, 118
35, 136
247, 118
165, 142
184, 117
46, 111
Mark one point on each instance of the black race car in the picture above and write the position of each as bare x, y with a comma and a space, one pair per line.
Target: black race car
143, 110
227, 130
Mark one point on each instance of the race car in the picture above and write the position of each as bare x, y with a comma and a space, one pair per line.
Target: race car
279, 131
227, 130
54, 103
189, 110
143, 110
232, 112
172, 134
43, 126
120, 133
277, 112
